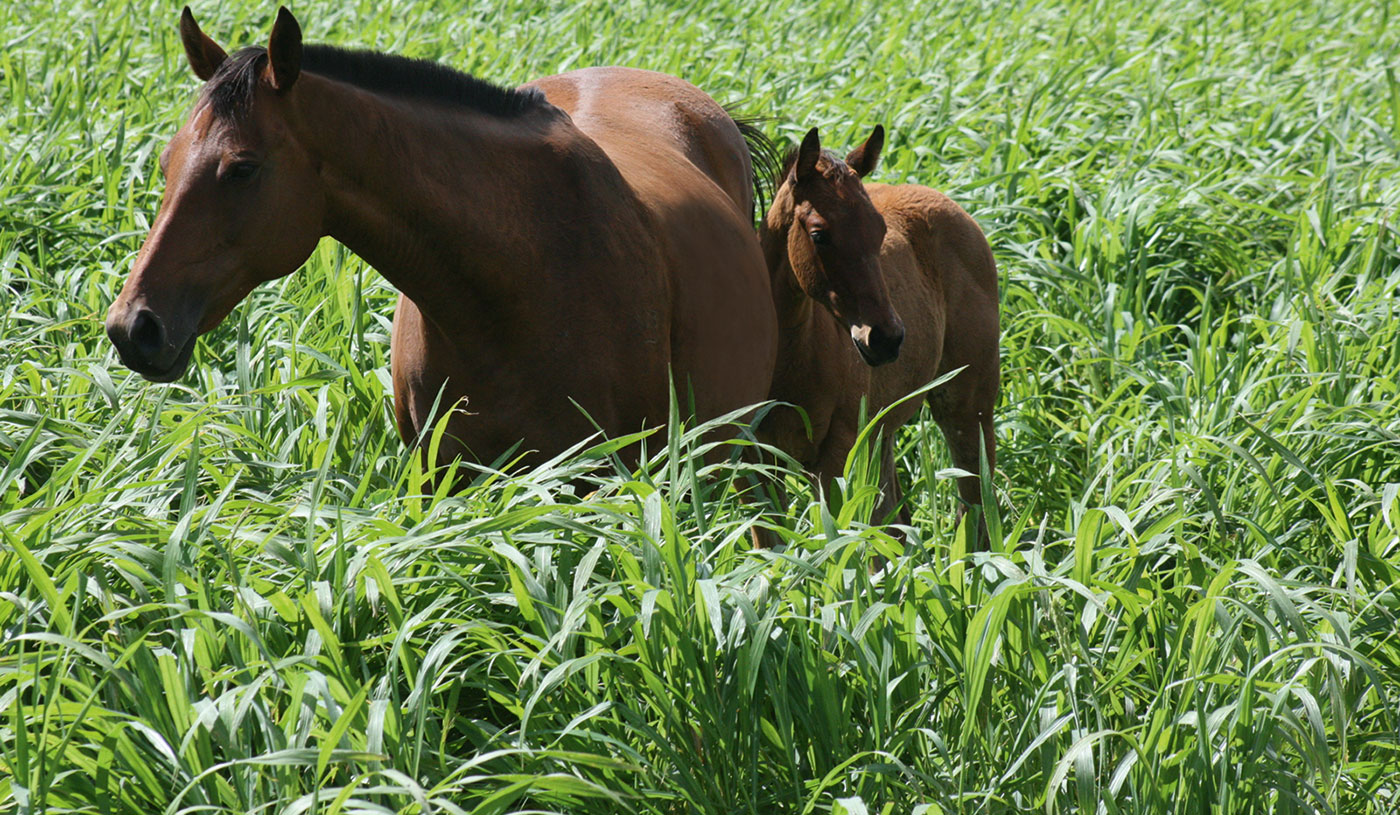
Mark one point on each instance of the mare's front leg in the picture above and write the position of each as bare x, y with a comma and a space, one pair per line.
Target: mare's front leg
418, 397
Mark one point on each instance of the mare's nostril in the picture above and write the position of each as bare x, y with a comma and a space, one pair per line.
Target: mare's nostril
147, 334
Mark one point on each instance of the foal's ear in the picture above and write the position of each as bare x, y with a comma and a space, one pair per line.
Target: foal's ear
284, 51
864, 158
204, 54
807, 154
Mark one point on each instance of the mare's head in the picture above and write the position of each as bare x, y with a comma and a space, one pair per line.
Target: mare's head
832, 233
242, 205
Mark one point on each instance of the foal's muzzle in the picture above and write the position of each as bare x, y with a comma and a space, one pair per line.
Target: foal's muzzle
877, 345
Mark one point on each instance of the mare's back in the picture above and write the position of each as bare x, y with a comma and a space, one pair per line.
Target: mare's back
651, 125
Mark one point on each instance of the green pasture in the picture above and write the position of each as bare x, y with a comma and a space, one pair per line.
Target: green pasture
235, 594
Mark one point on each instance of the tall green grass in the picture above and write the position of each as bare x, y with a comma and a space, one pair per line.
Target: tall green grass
235, 594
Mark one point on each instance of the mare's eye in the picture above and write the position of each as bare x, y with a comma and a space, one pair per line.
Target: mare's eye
820, 237
241, 170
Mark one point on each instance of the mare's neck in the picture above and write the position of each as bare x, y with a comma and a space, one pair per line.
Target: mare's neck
437, 199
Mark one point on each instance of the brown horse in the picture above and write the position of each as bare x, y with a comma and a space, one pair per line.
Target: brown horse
572, 243
843, 257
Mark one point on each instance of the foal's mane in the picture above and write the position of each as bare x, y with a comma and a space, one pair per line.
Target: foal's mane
230, 90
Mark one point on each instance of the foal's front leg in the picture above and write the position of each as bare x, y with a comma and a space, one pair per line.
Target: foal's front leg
891, 508
769, 490
831, 458
966, 435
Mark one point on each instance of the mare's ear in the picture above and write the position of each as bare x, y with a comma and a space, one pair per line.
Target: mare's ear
864, 158
807, 154
204, 54
284, 51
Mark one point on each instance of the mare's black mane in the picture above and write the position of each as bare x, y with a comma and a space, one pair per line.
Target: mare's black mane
230, 90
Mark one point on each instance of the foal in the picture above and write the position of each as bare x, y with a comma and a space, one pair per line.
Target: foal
843, 256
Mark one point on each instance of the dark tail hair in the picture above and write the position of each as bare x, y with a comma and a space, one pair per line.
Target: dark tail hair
765, 156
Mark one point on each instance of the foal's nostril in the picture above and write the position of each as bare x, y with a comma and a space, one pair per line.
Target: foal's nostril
886, 344
147, 334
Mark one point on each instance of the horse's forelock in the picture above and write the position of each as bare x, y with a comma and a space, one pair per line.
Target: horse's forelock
230, 90
790, 158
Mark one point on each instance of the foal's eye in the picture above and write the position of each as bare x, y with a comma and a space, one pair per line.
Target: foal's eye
820, 237
241, 170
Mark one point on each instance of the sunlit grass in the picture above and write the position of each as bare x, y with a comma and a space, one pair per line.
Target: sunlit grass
235, 594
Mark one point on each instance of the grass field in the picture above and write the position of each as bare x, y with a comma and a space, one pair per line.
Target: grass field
232, 594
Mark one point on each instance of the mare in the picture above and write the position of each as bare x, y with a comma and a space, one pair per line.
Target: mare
879, 290
570, 244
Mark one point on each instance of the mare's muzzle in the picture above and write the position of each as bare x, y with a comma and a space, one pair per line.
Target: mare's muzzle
145, 345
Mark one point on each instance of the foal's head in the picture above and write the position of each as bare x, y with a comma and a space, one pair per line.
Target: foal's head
243, 203
833, 235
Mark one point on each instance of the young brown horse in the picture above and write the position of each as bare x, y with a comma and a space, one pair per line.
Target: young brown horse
843, 256
575, 240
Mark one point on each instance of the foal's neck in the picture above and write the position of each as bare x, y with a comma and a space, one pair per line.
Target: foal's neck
443, 201
793, 305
